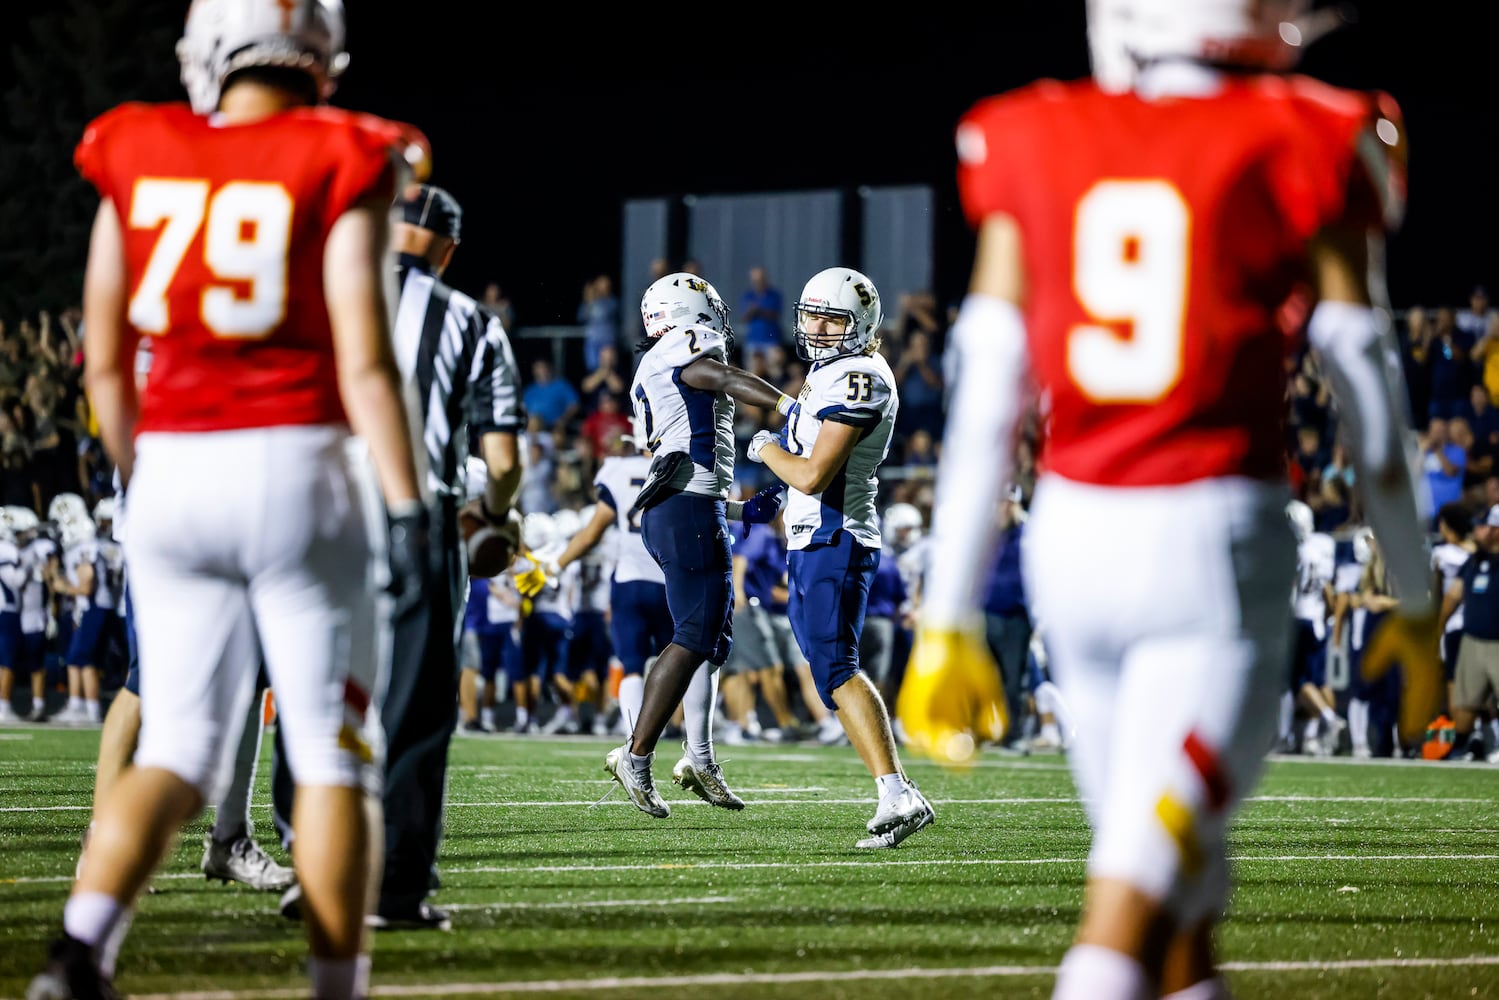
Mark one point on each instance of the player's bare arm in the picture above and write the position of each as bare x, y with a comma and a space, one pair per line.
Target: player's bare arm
715, 376
589, 536
502, 458
815, 472
109, 342
369, 382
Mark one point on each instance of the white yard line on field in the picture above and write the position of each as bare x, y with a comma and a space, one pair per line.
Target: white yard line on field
604, 983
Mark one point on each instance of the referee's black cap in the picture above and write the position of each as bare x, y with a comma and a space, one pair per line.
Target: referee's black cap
430, 207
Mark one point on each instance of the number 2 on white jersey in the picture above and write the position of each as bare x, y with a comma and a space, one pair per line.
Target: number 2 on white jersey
247, 241
1131, 245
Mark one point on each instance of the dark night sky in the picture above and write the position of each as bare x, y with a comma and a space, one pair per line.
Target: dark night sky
543, 122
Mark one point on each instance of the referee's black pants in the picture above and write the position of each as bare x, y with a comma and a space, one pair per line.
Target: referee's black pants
419, 716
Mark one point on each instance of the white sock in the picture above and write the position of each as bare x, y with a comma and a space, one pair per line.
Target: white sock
91, 708
1358, 723
1287, 714
521, 716
486, 718
1050, 732
38, 705
889, 785
1206, 989
1090, 972
1313, 727
339, 979
1494, 732
91, 917
74, 703
631, 697
1329, 716
697, 712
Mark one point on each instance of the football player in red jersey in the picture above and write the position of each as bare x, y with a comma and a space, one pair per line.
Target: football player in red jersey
1136, 235
247, 234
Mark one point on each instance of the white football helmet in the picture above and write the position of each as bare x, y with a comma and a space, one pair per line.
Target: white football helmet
901, 527
67, 506
682, 299
1303, 521
565, 524
536, 530
76, 530
1363, 545
1124, 36
223, 36
23, 522
104, 511
843, 292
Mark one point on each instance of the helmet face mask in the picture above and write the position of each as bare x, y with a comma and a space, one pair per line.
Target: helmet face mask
682, 299
224, 36
838, 293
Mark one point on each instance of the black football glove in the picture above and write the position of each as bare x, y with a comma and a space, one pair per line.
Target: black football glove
410, 560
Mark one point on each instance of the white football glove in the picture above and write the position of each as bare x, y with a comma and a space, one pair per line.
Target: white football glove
757, 444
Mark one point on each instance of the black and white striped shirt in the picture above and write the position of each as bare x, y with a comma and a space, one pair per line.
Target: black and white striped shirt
459, 356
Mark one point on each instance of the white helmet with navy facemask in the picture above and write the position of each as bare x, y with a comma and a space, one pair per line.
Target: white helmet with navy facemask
682, 299
844, 293
224, 36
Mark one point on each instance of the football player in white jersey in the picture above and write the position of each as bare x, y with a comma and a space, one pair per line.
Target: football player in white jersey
833, 444
39, 560
80, 564
12, 578
683, 395
640, 623
1456, 526
1316, 561
590, 654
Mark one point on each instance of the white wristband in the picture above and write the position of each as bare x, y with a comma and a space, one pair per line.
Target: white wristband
784, 405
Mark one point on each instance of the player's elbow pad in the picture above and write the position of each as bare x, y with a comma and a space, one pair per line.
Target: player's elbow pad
1368, 385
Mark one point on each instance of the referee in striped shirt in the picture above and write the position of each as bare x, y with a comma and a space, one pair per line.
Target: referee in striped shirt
458, 357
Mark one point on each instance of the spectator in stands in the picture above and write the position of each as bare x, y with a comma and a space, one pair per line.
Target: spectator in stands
917, 312
599, 315
15, 463
536, 481
1481, 414
759, 318
1443, 463
1311, 457
1476, 320
1446, 353
550, 401
1413, 359
605, 380
498, 303
918, 378
1480, 454
604, 425
1339, 467
1486, 357
1309, 399
921, 450
1331, 510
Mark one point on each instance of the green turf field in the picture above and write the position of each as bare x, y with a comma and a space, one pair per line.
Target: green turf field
1355, 880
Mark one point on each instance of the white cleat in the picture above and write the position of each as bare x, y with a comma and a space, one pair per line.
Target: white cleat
706, 782
242, 860
637, 782
911, 812
901, 810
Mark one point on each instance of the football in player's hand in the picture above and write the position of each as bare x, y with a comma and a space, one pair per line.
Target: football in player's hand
491, 548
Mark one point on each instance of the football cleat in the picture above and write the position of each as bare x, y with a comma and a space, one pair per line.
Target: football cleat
421, 916
70, 974
910, 812
243, 860
706, 782
901, 809
637, 782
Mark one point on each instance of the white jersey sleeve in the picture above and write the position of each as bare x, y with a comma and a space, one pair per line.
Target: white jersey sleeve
618, 484
672, 416
860, 392
12, 578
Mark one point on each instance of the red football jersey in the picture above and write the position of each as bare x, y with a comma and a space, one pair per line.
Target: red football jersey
224, 229
1160, 239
